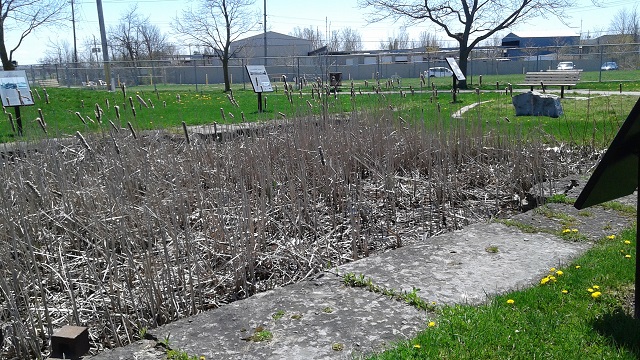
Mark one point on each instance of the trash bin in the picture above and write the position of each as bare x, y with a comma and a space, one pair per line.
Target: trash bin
335, 78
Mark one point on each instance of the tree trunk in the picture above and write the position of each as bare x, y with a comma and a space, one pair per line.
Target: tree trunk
4, 56
463, 62
225, 73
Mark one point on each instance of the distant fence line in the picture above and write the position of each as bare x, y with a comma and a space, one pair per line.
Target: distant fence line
484, 61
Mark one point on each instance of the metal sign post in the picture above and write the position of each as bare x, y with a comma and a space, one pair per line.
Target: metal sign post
259, 81
457, 76
618, 175
15, 92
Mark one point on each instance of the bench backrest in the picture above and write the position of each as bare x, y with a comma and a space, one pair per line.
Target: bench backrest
560, 77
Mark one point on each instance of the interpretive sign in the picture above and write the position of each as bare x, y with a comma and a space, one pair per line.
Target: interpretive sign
259, 78
14, 88
456, 69
616, 176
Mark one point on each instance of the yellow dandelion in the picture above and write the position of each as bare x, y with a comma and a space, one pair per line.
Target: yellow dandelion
552, 270
416, 346
510, 301
574, 230
590, 290
431, 324
611, 237
559, 272
564, 291
544, 280
627, 242
578, 266
566, 231
628, 256
596, 287
552, 278
596, 294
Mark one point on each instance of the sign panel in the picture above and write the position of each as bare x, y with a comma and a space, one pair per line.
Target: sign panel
259, 78
456, 69
14, 88
617, 173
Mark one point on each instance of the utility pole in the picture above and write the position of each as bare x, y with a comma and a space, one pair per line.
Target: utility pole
265, 32
75, 42
105, 49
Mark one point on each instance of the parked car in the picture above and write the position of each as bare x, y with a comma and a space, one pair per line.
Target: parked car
566, 65
438, 72
609, 65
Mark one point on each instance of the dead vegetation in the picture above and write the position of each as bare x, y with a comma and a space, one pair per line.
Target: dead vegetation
120, 233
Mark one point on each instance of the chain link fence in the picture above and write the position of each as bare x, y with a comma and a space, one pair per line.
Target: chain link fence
364, 66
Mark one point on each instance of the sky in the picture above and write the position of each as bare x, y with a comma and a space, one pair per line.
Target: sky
284, 15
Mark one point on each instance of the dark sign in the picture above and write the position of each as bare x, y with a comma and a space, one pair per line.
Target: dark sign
617, 173
456, 69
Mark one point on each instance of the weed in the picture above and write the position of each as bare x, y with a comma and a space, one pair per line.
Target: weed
337, 347
327, 310
411, 298
526, 228
622, 208
260, 334
278, 315
560, 199
492, 249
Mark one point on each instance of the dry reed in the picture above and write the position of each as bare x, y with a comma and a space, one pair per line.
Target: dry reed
145, 230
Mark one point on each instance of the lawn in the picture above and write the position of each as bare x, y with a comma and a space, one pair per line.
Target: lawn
580, 311
588, 118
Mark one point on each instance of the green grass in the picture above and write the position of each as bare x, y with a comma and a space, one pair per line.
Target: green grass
556, 320
587, 120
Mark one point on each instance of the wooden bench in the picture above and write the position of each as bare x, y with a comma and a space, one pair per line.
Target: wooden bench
48, 83
562, 78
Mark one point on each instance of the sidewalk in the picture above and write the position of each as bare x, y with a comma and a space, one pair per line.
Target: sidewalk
324, 319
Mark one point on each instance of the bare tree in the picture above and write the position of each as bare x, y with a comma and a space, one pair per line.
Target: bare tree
58, 52
216, 24
125, 37
334, 41
315, 36
351, 39
428, 40
627, 24
467, 22
154, 42
24, 17
397, 41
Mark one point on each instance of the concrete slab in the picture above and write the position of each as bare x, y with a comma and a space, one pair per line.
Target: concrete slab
323, 319
316, 316
466, 266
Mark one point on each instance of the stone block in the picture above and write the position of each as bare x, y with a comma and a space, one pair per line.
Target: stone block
533, 103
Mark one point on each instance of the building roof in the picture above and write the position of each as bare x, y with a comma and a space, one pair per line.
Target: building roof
270, 35
513, 40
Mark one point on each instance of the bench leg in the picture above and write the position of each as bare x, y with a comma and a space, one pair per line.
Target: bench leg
562, 92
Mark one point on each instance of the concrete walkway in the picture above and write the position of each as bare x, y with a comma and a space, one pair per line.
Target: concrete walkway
324, 319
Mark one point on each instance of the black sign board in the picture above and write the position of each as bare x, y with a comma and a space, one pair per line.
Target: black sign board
617, 173
456, 69
616, 176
